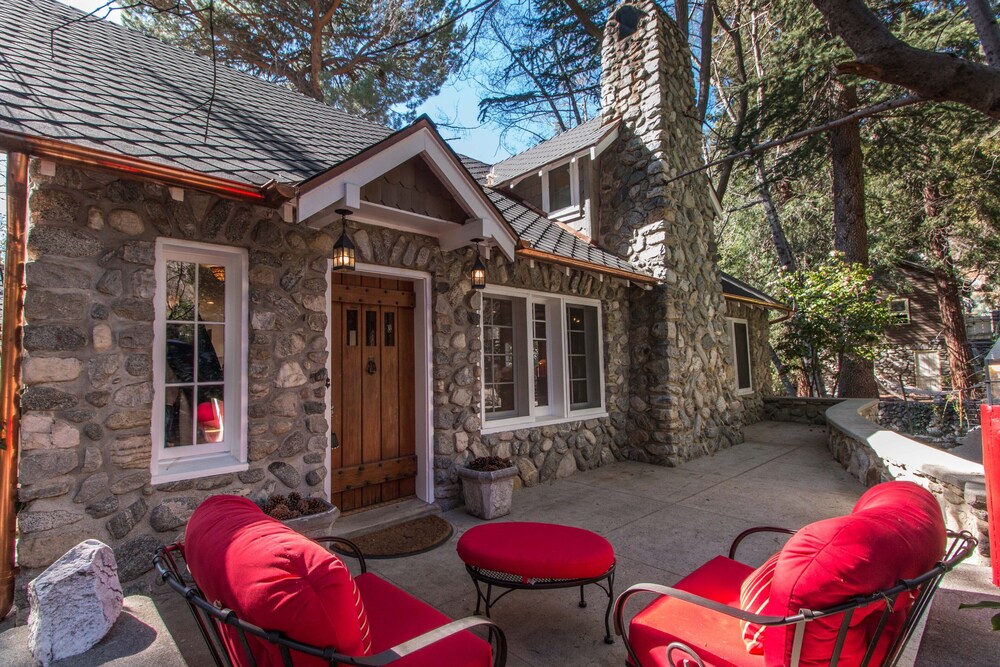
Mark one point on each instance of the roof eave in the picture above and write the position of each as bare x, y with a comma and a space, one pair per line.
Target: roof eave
595, 149
533, 253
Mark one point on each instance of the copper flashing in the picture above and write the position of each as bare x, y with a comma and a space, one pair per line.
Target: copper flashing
542, 256
140, 169
10, 368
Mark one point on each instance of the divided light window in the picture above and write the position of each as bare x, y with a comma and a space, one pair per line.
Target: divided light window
740, 333
542, 358
198, 424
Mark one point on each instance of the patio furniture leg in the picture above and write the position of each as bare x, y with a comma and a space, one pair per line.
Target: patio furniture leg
583, 602
608, 639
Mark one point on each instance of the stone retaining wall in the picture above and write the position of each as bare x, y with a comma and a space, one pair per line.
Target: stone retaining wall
875, 455
941, 421
794, 409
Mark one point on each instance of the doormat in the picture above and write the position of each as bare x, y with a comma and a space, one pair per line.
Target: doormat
403, 539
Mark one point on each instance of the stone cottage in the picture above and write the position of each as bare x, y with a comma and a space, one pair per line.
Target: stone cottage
184, 333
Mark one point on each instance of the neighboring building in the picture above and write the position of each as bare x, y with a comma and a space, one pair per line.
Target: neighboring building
916, 357
184, 334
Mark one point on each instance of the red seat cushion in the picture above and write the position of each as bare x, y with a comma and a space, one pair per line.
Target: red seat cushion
397, 617
537, 550
715, 637
755, 593
272, 577
895, 532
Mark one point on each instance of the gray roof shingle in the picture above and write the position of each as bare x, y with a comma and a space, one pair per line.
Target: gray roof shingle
560, 146
736, 287
107, 87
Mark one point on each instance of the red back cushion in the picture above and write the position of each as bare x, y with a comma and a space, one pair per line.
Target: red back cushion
755, 593
275, 578
896, 531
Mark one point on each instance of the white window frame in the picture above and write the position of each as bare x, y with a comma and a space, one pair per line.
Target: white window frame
575, 208
175, 464
558, 410
935, 380
740, 391
905, 313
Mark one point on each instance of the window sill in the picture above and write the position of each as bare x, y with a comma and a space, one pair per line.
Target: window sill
744, 392
523, 423
193, 467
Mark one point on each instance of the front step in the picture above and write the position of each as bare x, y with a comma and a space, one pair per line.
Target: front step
369, 520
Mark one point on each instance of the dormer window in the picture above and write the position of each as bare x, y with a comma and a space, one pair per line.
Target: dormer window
561, 189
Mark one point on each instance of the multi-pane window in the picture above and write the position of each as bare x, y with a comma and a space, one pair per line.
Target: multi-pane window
900, 311
541, 357
560, 187
740, 334
198, 420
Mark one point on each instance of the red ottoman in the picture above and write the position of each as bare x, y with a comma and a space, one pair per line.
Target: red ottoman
524, 555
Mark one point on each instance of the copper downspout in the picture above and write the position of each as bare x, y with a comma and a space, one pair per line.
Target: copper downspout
10, 368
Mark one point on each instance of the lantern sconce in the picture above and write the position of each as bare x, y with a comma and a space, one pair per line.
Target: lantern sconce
343, 249
478, 270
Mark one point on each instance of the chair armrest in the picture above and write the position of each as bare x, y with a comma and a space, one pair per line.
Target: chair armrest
669, 591
389, 656
349, 546
751, 531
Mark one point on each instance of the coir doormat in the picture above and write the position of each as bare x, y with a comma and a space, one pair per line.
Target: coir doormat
403, 539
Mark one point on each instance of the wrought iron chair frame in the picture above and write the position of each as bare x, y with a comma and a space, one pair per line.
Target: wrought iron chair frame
512, 582
209, 619
961, 547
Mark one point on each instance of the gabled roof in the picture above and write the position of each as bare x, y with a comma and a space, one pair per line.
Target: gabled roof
114, 91
559, 147
107, 87
741, 291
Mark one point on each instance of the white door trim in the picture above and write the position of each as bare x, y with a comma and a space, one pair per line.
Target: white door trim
422, 368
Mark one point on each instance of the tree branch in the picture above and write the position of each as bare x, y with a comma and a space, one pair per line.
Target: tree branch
883, 57
585, 21
985, 20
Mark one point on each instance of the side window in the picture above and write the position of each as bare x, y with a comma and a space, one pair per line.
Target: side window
741, 356
198, 424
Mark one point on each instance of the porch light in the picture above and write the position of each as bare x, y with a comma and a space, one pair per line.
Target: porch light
343, 249
478, 271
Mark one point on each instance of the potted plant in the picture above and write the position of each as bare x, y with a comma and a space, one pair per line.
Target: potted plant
305, 515
488, 486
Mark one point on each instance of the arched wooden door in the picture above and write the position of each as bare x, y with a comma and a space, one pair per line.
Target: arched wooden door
372, 391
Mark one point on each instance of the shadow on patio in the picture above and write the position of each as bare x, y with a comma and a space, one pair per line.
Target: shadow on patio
663, 523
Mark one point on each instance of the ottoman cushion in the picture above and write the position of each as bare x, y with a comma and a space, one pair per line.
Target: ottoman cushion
537, 550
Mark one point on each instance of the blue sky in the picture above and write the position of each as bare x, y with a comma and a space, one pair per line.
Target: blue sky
457, 103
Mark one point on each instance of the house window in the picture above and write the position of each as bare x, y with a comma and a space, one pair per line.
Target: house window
740, 337
199, 346
900, 311
561, 190
542, 359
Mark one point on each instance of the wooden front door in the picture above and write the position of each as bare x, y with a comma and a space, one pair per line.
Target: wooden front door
374, 456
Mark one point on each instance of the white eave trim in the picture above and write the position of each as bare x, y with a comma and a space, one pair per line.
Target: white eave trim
315, 207
587, 151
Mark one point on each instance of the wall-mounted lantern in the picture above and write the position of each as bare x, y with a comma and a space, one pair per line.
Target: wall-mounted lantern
478, 271
343, 249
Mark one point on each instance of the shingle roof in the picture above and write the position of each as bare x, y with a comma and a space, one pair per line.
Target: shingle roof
107, 87
735, 287
562, 145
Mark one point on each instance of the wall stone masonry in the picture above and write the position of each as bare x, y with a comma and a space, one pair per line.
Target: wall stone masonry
939, 421
803, 410
758, 330
682, 402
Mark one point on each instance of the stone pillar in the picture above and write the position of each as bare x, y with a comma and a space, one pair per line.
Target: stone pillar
683, 403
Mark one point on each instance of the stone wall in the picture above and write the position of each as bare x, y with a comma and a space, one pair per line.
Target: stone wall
87, 373
896, 363
874, 455
795, 409
940, 421
682, 404
760, 358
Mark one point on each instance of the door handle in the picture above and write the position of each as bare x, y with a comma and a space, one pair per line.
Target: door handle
371, 366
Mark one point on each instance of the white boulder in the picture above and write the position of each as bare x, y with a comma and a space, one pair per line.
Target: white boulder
74, 602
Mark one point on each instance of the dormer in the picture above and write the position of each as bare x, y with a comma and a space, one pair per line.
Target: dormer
558, 176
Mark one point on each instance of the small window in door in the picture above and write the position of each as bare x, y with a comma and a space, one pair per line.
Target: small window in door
352, 328
389, 321
371, 328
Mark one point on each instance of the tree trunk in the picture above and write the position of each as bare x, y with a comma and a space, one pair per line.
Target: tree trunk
985, 20
949, 297
785, 256
856, 376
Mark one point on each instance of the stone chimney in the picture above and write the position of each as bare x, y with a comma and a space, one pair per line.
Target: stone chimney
683, 403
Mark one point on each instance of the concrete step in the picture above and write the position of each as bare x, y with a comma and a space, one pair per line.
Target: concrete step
383, 516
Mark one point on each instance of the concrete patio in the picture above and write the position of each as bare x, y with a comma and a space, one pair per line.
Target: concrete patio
663, 523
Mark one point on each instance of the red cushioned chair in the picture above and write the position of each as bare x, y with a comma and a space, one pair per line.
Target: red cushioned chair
266, 595
846, 591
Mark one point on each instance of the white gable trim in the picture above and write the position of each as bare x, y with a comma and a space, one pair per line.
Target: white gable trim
315, 206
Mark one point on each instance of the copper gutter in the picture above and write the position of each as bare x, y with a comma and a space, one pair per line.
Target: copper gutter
542, 256
61, 151
10, 368
759, 302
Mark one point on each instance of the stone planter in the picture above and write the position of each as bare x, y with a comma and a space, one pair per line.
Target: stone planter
488, 495
315, 525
